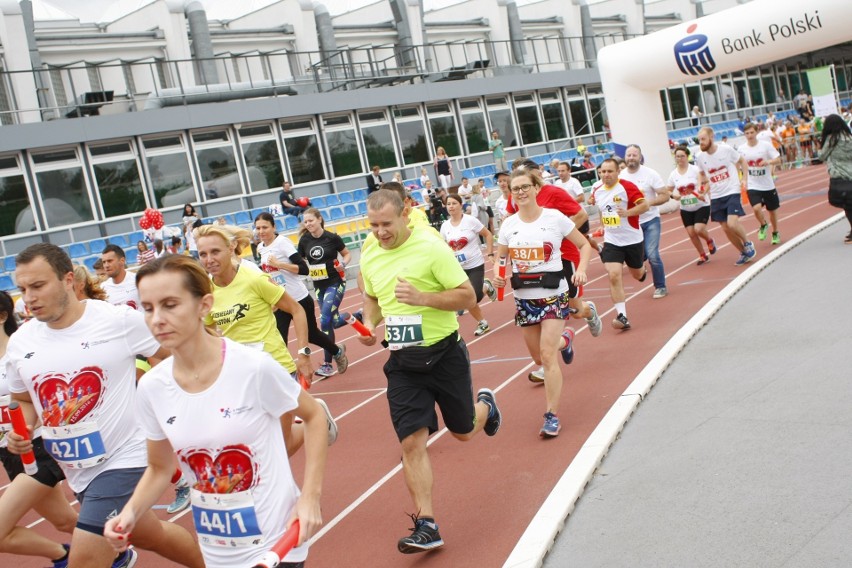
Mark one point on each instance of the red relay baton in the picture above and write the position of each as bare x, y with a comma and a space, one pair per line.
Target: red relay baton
19, 425
501, 272
277, 553
358, 326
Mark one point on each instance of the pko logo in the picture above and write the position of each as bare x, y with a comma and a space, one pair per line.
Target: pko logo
693, 54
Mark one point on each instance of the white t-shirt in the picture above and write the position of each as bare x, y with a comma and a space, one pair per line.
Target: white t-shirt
572, 186
686, 186
123, 294
229, 444
619, 231
534, 248
501, 203
464, 240
250, 266
465, 191
759, 178
649, 181
282, 249
82, 381
720, 168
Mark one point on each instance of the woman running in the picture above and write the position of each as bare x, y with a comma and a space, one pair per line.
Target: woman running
531, 240
320, 249
443, 167
462, 233
86, 286
243, 493
279, 259
40, 492
685, 185
837, 153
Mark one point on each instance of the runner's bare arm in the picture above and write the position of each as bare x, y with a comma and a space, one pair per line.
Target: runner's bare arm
316, 449
460, 298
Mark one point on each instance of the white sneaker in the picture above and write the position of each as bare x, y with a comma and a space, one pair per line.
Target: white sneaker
490, 290
332, 425
594, 321
536, 376
482, 328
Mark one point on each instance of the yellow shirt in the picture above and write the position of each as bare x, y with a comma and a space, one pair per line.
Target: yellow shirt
416, 218
242, 311
430, 268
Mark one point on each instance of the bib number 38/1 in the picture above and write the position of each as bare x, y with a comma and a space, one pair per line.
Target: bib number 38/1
404, 331
226, 519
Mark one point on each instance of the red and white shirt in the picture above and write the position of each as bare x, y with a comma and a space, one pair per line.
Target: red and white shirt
619, 231
720, 167
686, 187
759, 177
464, 240
124, 293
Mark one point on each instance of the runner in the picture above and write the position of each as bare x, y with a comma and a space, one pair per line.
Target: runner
86, 286
74, 369
279, 259
40, 492
685, 186
428, 362
620, 203
462, 233
320, 248
531, 240
761, 157
120, 285
243, 492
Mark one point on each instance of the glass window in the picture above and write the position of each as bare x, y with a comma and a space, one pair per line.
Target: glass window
16, 214
475, 132
412, 140
769, 89
755, 91
554, 121
665, 102
64, 195
171, 179
579, 117
444, 134
378, 142
119, 187
712, 103
219, 175
303, 155
343, 149
263, 165
840, 73
678, 103
596, 106
529, 125
503, 122
693, 94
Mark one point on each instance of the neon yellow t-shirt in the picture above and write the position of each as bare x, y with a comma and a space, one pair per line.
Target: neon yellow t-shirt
414, 220
428, 267
242, 310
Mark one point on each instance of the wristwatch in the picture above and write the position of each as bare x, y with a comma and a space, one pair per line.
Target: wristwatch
304, 351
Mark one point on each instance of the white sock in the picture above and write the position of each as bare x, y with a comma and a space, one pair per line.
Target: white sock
621, 308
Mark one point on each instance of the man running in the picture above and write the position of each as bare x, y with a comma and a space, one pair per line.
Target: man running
120, 285
761, 158
91, 346
416, 288
719, 164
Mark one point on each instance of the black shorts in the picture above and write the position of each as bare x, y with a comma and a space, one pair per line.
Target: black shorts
631, 255
584, 228
767, 198
420, 377
476, 275
568, 271
49, 473
691, 218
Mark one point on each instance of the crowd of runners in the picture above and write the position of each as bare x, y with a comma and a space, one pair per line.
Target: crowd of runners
178, 375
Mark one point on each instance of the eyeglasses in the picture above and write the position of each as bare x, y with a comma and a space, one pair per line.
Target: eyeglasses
522, 188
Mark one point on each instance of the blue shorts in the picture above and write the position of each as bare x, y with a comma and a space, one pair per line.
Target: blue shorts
105, 497
723, 207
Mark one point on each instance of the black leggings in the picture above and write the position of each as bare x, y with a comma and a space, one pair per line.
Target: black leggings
315, 335
477, 278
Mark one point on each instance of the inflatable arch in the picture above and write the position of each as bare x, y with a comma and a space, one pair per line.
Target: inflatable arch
762, 31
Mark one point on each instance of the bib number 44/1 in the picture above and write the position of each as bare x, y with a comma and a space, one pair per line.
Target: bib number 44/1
226, 519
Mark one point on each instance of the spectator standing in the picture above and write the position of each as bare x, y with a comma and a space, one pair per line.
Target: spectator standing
443, 167
497, 151
374, 179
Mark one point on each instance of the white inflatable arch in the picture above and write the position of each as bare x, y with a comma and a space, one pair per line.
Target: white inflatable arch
762, 31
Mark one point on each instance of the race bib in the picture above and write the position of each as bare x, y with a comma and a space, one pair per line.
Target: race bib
525, 255
5, 417
689, 201
318, 271
460, 257
277, 278
757, 172
721, 176
610, 220
225, 519
404, 331
76, 446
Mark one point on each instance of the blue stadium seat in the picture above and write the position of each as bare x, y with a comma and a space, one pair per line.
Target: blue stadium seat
347, 197
9, 264
291, 223
242, 218
359, 194
417, 196
318, 202
257, 211
132, 255
119, 240
6, 283
362, 208
350, 210
279, 225
90, 261
331, 200
132, 238
97, 246
78, 250
336, 213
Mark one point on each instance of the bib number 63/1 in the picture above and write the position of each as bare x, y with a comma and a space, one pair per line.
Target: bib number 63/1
404, 331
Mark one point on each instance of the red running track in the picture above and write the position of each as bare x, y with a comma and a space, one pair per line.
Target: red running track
487, 490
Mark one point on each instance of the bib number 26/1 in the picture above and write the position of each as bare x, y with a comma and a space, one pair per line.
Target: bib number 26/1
404, 331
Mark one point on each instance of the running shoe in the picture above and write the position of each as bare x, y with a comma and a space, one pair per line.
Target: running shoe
660, 293
325, 370
749, 251
536, 376
482, 328
761, 232
332, 425
63, 562
776, 238
181, 501
424, 536
359, 315
342, 320
341, 359
848, 239
644, 275
495, 418
711, 246
703, 259
551, 426
490, 290
568, 350
594, 320
126, 560
620, 322
742, 259
749, 246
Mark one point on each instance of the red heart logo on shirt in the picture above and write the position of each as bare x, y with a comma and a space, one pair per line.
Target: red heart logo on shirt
67, 398
548, 251
459, 244
228, 470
